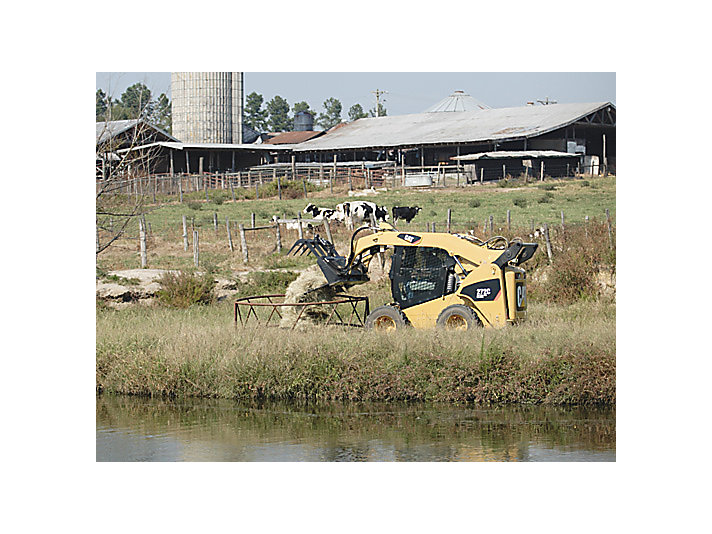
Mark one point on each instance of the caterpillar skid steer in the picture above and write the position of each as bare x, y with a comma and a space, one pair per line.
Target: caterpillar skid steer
437, 279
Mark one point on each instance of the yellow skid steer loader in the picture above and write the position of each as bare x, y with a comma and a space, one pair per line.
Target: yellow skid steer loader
437, 279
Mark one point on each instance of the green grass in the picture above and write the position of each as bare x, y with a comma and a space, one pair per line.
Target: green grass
471, 204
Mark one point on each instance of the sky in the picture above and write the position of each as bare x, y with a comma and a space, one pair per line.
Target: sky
407, 92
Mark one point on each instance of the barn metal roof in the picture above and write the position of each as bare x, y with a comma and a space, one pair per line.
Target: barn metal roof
506, 154
458, 101
211, 146
451, 128
107, 130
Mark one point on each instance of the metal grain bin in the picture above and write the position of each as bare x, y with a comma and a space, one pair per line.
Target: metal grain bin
303, 122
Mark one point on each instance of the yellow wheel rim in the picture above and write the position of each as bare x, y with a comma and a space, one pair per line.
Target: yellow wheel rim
384, 323
456, 322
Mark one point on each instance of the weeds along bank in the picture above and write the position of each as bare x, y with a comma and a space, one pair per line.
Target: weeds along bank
563, 355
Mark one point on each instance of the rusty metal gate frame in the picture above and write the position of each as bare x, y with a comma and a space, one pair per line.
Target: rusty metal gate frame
246, 302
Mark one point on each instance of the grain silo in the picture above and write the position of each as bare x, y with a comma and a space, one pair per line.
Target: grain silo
207, 106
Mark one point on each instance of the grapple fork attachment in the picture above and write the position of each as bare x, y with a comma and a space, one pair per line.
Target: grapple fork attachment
330, 262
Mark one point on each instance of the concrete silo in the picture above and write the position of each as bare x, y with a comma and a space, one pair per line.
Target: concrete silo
207, 106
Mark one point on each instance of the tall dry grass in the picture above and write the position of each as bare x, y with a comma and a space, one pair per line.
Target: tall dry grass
563, 355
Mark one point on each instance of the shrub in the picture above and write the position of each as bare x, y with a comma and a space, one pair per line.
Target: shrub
547, 187
474, 203
503, 183
520, 202
585, 183
183, 289
290, 189
192, 204
218, 198
545, 199
262, 282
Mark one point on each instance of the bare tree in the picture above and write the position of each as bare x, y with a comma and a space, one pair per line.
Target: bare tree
121, 171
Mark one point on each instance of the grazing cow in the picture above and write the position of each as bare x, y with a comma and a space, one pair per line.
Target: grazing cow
405, 212
354, 213
319, 213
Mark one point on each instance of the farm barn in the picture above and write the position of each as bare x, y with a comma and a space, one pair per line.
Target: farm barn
433, 138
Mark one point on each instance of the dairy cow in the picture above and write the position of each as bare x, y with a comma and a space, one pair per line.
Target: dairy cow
355, 213
407, 213
319, 213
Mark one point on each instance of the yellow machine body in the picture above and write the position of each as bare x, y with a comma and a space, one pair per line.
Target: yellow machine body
496, 292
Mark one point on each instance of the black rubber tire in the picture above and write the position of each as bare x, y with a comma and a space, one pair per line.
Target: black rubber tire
458, 314
386, 318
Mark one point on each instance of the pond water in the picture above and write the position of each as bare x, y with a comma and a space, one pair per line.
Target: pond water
145, 429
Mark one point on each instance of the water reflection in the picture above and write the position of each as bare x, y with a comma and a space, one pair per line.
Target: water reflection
142, 429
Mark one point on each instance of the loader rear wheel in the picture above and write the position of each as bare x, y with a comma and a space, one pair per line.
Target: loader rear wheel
386, 318
458, 317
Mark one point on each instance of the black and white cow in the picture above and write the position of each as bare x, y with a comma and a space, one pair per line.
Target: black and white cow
357, 212
407, 213
319, 213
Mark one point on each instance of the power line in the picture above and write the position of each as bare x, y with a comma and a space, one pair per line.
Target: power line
378, 94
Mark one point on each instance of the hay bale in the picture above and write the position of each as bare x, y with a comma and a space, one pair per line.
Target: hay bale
300, 291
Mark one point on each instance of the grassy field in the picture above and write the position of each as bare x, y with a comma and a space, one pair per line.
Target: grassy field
471, 208
562, 355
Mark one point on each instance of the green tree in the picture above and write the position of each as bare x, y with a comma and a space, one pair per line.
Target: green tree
302, 106
255, 116
356, 112
279, 120
162, 115
101, 105
382, 111
332, 113
136, 101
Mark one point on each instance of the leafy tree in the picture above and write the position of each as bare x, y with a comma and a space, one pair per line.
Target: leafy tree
101, 105
255, 116
162, 114
279, 120
382, 111
332, 113
356, 112
136, 101
303, 106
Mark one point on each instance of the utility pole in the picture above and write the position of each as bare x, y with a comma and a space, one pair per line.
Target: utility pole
546, 102
378, 94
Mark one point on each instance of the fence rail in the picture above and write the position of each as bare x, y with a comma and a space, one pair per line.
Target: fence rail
326, 175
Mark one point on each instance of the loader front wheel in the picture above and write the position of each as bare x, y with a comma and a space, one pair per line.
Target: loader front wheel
458, 317
385, 318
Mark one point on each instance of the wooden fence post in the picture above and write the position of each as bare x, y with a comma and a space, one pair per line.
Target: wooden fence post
279, 183
491, 225
351, 188
610, 231
541, 171
243, 243
180, 189
304, 184
252, 219
482, 175
215, 221
229, 234
449, 219
585, 220
196, 248
257, 192
509, 220
279, 239
563, 227
185, 234
327, 228
232, 190
299, 226
142, 240
548, 241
